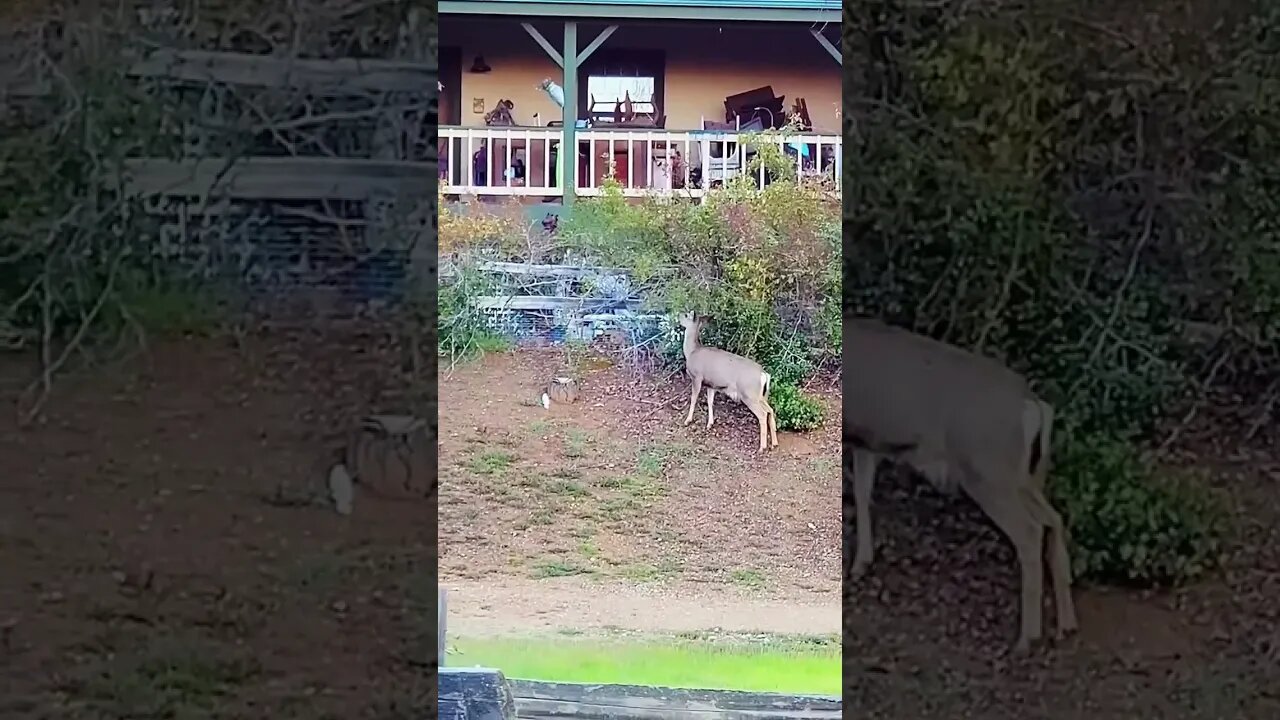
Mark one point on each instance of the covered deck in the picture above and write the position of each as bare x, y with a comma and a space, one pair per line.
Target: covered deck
656, 95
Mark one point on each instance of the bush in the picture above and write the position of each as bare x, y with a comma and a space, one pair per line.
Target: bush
463, 332
1035, 190
763, 264
1127, 527
795, 410
479, 228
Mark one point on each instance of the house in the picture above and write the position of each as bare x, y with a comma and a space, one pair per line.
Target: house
652, 92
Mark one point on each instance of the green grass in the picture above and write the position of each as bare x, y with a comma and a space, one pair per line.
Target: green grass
175, 676
748, 578
769, 666
575, 443
558, 568
651, 573
491, 462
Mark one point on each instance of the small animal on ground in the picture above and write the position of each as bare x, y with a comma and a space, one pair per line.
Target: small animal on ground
379, 440
611, 340
741, 379
966, 422
563, 390
550, 223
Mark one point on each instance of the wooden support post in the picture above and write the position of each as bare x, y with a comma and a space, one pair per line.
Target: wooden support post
569, 60
569, 143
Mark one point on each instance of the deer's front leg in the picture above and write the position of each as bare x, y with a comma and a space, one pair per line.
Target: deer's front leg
693, 399
711, 406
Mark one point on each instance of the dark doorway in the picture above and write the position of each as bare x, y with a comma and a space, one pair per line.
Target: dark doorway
450, 110
451, 76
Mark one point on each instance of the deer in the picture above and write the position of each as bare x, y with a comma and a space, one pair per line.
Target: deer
741, 379
964, 422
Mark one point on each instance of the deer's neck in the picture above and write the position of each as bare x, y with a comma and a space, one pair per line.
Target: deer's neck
691, 342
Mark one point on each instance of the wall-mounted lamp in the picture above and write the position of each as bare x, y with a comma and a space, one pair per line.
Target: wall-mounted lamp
479, 65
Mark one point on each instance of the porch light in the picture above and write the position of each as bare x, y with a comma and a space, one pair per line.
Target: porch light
479, 65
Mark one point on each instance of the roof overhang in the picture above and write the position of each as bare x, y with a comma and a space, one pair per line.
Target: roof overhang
639, 11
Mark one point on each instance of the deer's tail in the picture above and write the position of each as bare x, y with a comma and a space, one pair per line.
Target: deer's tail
765, 380
1041, 442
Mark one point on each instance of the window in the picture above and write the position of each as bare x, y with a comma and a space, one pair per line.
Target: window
605, 92
613, 78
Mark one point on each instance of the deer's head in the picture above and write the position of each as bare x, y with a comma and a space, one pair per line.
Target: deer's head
692, 322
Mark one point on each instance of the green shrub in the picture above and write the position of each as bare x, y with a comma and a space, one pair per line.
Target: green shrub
170, 309
989, 203
763, 264
464, 333
1127, 526
795, 410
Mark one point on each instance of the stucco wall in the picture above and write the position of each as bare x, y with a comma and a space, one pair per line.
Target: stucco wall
705, 62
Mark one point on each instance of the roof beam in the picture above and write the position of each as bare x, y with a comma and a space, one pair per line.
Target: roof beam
548, 47
595, 44
832, 50
638, 11
555, 54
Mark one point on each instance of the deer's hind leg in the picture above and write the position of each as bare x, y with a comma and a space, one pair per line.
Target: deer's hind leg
693, 399
761, 410
711, 406
1006, 506
773, 424
864, 479
1059, 561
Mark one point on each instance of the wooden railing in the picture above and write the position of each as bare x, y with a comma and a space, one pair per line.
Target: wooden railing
499, 161
526, 161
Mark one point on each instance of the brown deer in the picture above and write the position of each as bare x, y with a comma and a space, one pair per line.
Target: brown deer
964, 422
741, 379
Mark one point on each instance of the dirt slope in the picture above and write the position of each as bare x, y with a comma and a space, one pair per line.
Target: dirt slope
615, 492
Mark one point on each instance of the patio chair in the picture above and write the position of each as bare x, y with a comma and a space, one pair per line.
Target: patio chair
723, 168
717, 165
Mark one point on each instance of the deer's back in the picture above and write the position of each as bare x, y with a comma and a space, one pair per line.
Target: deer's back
907, 394
723, 370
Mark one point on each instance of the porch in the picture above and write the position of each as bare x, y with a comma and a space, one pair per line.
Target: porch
660, 104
